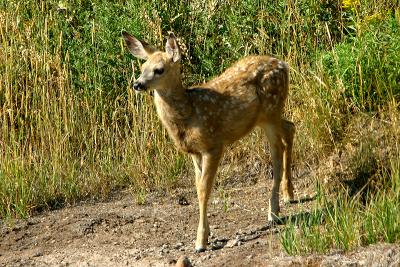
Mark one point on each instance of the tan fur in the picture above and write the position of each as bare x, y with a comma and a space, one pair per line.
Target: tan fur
206, 118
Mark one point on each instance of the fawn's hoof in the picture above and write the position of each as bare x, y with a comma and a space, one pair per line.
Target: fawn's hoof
200, 250
273, 218
288, 199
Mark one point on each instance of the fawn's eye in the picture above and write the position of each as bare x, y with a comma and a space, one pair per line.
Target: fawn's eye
159, 71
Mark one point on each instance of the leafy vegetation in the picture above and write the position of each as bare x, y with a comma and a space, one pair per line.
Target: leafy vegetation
71, 128
366, 67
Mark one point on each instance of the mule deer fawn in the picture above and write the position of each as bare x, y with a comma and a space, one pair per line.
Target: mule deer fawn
204, 119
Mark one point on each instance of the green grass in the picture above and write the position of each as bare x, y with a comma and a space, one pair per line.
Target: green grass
71, 128
370, 77
347, 223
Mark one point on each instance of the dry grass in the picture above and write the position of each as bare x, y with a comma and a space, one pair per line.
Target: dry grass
71, 128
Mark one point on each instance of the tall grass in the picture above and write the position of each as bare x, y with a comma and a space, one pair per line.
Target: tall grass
72, 128
348, 223
355, 76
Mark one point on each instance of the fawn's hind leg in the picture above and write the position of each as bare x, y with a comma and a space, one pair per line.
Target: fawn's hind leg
288, 131
273, 131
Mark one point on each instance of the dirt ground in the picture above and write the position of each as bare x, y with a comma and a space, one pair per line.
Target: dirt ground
120, 232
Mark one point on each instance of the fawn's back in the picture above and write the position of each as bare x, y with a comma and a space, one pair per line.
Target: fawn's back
226, 108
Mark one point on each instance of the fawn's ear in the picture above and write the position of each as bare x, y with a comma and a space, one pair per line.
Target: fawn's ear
139, 49
172, 48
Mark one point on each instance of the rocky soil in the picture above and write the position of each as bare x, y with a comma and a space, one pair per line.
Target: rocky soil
120, 232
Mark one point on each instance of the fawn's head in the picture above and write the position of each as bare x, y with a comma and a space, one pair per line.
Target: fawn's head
160, 68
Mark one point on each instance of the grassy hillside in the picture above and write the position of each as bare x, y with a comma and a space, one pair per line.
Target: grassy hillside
71, 128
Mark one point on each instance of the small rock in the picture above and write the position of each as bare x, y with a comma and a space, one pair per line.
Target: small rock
183, 201
232, 243
206, 257
164, 249
32, 221
183, 262
217, 245
178, 245
37, 253
215, 201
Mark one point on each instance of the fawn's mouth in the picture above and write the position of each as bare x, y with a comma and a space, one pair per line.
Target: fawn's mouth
139, 87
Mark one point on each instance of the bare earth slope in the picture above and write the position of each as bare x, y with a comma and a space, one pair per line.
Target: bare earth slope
121, 233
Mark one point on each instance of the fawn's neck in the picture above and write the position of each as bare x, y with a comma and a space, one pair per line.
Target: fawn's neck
174, 109
172, 102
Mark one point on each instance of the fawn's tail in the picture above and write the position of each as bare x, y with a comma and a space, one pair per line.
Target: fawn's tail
274, 84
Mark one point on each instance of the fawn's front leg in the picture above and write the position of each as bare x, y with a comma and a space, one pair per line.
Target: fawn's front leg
204, 184
197, 162
289, 130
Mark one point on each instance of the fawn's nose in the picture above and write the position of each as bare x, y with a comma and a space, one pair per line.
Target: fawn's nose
138, 86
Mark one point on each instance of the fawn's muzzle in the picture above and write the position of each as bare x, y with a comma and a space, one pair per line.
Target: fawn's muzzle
138, 86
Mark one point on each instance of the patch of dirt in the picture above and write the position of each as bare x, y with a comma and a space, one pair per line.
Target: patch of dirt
122, 233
